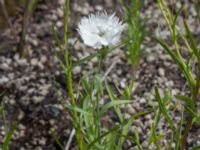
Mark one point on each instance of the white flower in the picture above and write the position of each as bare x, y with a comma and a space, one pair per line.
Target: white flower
100, 29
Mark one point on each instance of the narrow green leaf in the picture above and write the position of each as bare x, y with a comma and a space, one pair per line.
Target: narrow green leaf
178, 132
56, 138
163, 109
86, 86
126, 125
90, 146
137, 140
196, 148
196, 116
56, 38
1, 110
187, 73
188, 101
86, 58
113, 104
113, 98
174, 23
62, 65
153, 136
155, 139
9, 136
193, 43
77, 109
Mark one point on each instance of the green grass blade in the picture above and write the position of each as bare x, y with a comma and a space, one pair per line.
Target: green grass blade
187, 73
153, 136
137, 140
178, 133
196, 117
174, 23
193, 43
77, 109
56, 38
163, 109
196, 148
90, 146
9, 136
188, 101
113, 98
113, 104
126, 125
86, 58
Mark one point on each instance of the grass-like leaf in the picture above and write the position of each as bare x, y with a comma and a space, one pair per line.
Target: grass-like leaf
57, 140
163, 109
178, 132
193, 43
187, 73
91, 145
188, 101
113, 104
113, 98
126, 125
196, 148
137, 140
153, 137
9, 136
77, 109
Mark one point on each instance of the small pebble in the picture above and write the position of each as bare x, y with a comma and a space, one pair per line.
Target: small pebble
3, 80
76, 70
161, 72
4, 66
34, 61
151, 58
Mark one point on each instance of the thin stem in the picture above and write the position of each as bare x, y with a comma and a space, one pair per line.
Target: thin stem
5, 12
75, 115
100, 63
68, 61
26, 17
101, 57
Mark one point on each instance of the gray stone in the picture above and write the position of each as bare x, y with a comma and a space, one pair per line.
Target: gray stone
122, 84
131, 110
3, 80
43, 59
38, 99
60, 12
34, 61
151, 58
5, 66
161, 72
42, 141
76, 70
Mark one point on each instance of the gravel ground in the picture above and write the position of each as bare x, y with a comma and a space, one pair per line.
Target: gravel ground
33, 86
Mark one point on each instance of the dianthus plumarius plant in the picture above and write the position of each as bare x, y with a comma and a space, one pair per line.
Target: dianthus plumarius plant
102, 32
189, 67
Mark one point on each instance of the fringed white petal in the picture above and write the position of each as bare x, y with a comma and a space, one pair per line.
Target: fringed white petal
100, 29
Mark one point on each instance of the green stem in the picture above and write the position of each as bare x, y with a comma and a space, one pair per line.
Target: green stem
101, 57
75, 115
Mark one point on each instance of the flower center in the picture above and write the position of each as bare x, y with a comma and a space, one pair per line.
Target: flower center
101, 33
